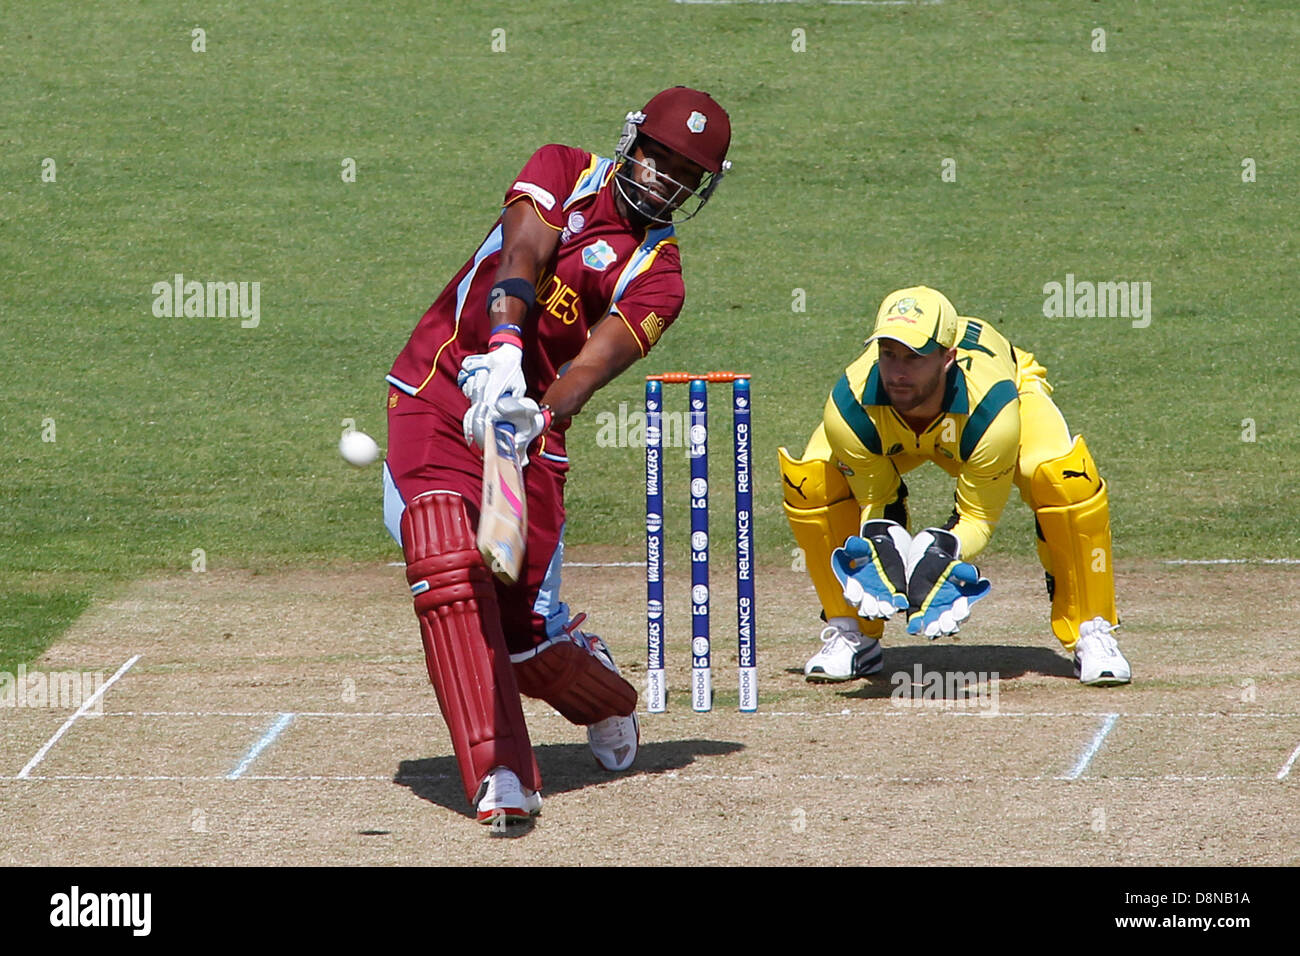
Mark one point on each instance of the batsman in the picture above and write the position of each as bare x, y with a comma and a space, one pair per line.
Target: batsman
936, 386
576, 280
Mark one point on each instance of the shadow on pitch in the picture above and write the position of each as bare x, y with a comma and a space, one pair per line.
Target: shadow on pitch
1006, 661
564, 767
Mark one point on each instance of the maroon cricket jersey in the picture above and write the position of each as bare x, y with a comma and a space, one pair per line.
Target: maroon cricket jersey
602, 267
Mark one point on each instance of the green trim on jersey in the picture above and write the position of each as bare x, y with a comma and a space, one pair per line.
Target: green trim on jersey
873, 392
955, 399
855, 416
971, 339
997, 398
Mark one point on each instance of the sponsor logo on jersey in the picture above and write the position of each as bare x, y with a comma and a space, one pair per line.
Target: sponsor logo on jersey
537, 192
844, 468
696, 122
600, 255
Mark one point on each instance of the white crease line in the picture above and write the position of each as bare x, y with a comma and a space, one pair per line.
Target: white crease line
273, 713
647, 777
641, 564
1087, 713
964, 778
1086, 757
1286, 768
89, 703
1233, 561
174, 778
691, 717
283, 721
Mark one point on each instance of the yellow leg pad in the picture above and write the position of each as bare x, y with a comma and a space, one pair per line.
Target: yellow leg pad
819, 531
1078, 539
1067, 480
822, 513
813, 482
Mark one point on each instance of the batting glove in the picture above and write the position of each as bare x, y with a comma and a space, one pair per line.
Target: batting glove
871, 571
528, 418
940, 588
489, 376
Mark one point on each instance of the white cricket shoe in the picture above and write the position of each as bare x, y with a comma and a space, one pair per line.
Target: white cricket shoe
845, 655
501, 797
1097, 658
614, 741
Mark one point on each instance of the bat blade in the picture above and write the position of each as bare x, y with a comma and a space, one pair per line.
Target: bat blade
503, 521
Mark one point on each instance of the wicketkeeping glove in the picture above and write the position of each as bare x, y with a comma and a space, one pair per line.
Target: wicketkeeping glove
871, 571
940, 588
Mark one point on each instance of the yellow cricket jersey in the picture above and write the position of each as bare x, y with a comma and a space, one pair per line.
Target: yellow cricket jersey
975, 438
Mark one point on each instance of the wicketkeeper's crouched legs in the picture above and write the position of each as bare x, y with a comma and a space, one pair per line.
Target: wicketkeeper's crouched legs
1059, 480
464, 649
823, 514
1073, 516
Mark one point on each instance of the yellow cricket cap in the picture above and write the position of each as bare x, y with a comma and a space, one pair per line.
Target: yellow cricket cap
920, 317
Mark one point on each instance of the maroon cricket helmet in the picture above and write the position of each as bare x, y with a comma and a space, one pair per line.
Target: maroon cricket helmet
691, 123
688, 122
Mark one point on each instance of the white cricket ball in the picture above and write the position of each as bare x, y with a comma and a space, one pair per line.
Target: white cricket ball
358, 448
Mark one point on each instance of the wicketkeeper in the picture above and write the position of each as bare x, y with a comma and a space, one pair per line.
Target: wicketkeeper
936, 386
575, 281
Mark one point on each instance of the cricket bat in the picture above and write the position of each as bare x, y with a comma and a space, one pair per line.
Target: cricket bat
503, 520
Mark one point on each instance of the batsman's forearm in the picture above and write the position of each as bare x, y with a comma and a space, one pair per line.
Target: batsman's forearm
508, 309
570, 391
519, 264
610, 350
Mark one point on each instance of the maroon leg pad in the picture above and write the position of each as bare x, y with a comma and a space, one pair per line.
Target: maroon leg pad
576, 684
464, 649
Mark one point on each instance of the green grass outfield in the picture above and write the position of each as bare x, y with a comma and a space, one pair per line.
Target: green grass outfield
178, 434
